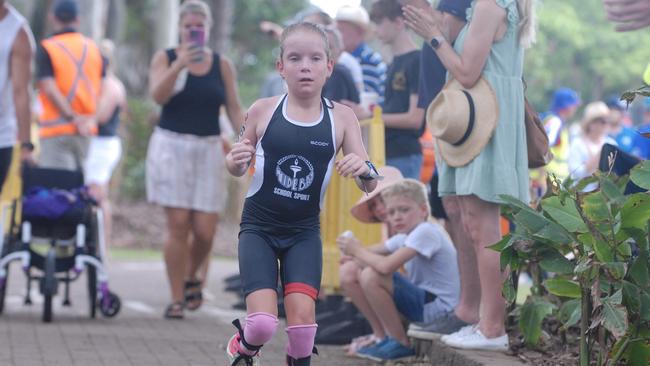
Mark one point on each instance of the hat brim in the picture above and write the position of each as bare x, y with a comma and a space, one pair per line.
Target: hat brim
486, 109
361, 211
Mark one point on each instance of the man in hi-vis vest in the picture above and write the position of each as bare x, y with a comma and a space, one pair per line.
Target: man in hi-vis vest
70, 70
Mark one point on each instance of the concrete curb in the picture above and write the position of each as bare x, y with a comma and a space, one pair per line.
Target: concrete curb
440, 354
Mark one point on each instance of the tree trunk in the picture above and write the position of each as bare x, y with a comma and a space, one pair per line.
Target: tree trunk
92, 18
166, 25
220, 35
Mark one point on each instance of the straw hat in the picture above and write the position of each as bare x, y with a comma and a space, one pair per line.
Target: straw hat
463, 120
594, 111
353, 14
360, 210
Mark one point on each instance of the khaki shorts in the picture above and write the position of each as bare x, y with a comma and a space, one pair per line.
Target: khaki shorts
63, 152
186, 171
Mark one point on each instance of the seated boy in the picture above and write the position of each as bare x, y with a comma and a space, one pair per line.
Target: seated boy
431, 285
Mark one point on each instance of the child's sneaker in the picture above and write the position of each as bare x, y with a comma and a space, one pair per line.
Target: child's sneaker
390, 350
240, 359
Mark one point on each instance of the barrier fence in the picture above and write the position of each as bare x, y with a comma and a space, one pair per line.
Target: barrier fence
342, 194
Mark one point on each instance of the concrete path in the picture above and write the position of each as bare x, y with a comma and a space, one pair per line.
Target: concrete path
139, 335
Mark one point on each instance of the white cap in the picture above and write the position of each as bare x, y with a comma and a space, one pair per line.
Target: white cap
353, 14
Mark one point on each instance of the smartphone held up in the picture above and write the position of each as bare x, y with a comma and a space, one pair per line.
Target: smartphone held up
197, 37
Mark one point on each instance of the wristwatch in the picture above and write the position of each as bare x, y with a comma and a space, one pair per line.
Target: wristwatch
372, 172
436, 41
27, 146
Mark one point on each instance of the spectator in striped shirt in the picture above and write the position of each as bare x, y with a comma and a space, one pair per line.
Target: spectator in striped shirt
353, 23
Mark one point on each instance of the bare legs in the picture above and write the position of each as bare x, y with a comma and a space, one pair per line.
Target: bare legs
372, 293
467, 309
181, 259
481, 222
349, 275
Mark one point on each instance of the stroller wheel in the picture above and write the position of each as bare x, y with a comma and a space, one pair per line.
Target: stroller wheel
110, 306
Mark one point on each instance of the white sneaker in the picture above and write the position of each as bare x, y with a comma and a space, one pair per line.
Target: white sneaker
466, 330
418, 332
478, 341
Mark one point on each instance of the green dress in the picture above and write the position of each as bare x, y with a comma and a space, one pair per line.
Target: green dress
502, 166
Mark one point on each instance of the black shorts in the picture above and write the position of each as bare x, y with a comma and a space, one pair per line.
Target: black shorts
296, 257
437, 209
5, 163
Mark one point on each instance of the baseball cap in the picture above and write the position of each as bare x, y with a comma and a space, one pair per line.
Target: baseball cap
564, 98
614, 102
353, 14
66, 10
457, 8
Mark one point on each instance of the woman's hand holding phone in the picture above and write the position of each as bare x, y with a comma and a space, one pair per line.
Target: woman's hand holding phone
197, 39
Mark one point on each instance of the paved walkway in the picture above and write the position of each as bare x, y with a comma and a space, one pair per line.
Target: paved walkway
138, 336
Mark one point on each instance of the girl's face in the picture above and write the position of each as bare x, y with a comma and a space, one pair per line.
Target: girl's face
192, 21
377, 207
404, 214
304, 64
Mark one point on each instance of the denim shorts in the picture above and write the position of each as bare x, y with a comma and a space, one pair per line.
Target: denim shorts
410, 299
410, 165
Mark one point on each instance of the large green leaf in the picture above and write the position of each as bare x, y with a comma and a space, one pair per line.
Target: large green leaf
505, 242
562, 287
631, 296
615, 315
636, 211
532, 313
531, 220
508, 291
644, 308
570, 313
611, 191
603, 251
639, 271
514, 203
564, 214
594, 206
554, 261
640, 174
638, 353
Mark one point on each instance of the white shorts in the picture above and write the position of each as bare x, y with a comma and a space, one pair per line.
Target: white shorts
104, 153
186, 171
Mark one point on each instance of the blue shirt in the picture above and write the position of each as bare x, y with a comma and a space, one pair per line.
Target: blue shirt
373, 68
629, 141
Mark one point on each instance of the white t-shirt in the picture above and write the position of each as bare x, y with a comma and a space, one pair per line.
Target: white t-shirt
434, 268
9, 27
354, 66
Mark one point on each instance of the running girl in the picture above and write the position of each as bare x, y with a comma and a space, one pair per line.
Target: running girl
294, 139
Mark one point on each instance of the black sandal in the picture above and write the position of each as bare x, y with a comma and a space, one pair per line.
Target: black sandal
193, 294
174, 311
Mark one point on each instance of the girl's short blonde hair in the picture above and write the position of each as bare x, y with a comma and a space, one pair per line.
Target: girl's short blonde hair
409, 188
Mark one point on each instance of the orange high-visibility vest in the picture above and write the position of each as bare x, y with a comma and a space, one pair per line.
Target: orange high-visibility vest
77, 65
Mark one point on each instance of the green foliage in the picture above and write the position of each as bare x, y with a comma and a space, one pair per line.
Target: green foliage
138, 128
577, 47
604, 287
254, 51
532, 313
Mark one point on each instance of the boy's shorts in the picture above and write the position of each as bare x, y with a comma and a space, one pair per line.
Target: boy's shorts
410, 299
299, 255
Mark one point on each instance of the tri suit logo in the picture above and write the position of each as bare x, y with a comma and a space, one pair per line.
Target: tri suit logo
295, 174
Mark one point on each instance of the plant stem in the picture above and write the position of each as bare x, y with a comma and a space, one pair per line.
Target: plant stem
584, 323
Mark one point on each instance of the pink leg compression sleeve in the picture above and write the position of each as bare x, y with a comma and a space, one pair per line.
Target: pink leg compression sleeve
301, 340
259, 329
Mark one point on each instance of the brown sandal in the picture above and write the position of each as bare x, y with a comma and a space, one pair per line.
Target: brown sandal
174, 311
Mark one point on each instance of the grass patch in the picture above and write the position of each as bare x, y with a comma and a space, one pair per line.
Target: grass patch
129, 254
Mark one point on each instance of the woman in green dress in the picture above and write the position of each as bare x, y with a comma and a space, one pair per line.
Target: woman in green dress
490, 46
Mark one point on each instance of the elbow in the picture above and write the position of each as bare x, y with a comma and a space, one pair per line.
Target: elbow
468, 79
